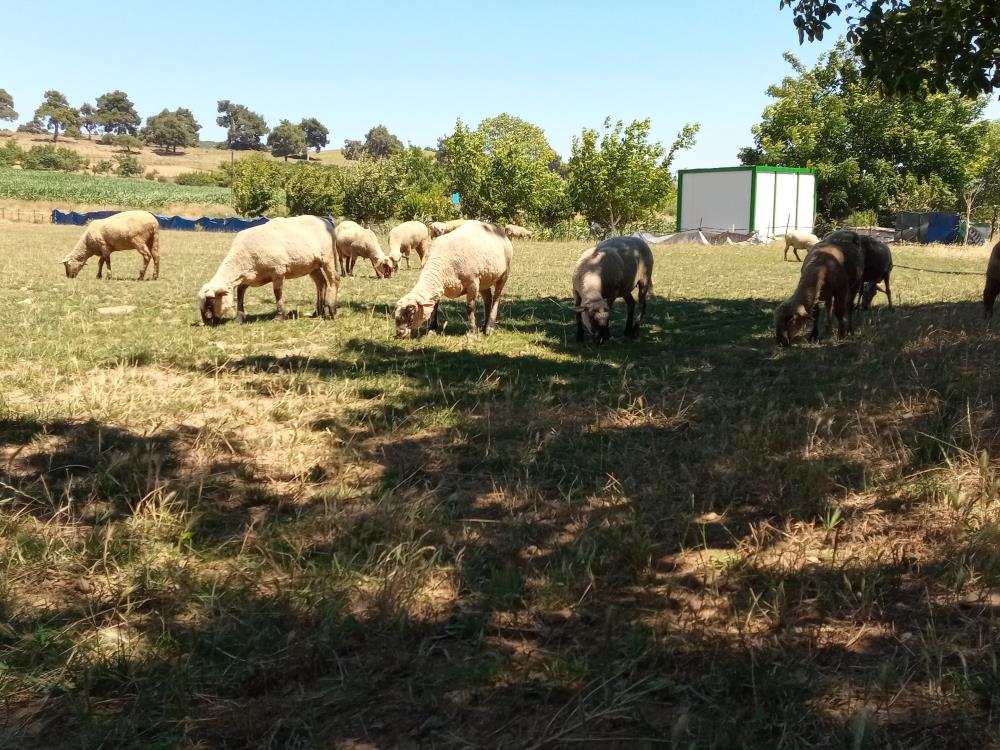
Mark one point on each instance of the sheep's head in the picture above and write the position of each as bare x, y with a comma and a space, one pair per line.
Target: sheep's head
437, 228
788, 322
410, 315
72, 267
384, 268
868, 292
213, 303
596, 319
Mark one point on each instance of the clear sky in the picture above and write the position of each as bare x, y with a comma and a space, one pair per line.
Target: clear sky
417, 66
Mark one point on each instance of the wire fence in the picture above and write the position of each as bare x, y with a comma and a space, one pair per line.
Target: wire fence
25, 215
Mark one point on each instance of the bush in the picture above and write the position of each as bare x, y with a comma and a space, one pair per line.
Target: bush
127, 166
314, 191
427, 206
53, 159
257, 187
11, 154
373, 190
215, 178
103, 167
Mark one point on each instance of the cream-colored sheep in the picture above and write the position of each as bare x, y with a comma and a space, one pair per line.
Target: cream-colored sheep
410, 236
443, 227
353, 242
517, 233
603, 274
798, 240
129, 230
474, 259
269, 254
831, 273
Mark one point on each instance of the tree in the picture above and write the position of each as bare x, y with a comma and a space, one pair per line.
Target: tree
244, 128
88, 119
57, 110
314, 190
619, 178
116, 114
317, 135
172, 130
353, 150
914, 45
983, 182
871, 151
7, 111
287, 140
256, 186
380, 143
426, 185
373, 190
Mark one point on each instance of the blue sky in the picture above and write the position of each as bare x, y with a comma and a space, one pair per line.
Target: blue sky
417, 66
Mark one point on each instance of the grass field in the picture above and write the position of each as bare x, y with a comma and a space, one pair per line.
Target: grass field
309, 534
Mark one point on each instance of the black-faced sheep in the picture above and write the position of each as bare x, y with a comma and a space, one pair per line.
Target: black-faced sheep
410, 236
992, 287
128, 230
603, 274
353, 242
269, 254
796, 240
831, 273
472, 260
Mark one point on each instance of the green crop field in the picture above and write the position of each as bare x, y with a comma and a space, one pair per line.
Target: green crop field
310, 534
27, 185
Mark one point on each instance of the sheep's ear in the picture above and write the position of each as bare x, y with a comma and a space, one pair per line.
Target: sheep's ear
428, 307
801, 311
579, 309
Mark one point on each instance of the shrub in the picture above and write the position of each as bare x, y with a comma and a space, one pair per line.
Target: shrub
53, 158
373, 190
151, 174
11, 154
103, 167
203, 179
315, 191
127, 166
257, 187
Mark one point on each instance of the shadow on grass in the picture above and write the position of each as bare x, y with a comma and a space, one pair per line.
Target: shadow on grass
521, 570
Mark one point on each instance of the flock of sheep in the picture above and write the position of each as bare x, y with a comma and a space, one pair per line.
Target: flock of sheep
473, 258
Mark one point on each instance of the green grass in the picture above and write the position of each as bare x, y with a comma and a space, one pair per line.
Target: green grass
309, 534
27, 185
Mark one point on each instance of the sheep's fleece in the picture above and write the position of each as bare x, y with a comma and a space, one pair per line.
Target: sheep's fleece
128, 230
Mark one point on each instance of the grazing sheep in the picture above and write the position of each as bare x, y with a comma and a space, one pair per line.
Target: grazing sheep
410, 236
515, 232
472, 260
443, 227
878, 267
992, 287
353, 242
269, 254
831, 273
799, 240
603, 274
128, 230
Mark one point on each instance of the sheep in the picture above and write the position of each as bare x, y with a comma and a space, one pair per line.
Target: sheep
831, 273
798, 240
878, 266
128, 230
354, 241
410, 236
474, 259
443, 227
271, 253
515, 232
992, 287
602, 274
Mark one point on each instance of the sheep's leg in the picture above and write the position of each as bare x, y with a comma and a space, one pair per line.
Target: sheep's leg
487, 308
643, 292
107, 262
786, 250
100, 266
579, 316
320, 281
491, 304
850, 308
241, 315
329, 272
630, 326
434, 324
814, 333
888, 291
470, 309
841, 308
278, 283
795, 250
146, 257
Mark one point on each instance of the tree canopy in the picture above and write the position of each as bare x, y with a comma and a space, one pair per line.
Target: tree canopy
172, 130
380, 143
57, 113
116, 114
88, 119
287, 140
317, 134
909, 45
7, 111
244, 128
871, 151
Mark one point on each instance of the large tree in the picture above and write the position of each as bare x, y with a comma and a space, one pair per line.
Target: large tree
619, 177
353, 149
244, 128
7, 111
287, 140
57, 113
871, 151
116, 114
910, 45
317, 134
380, 143
88, 119
172, 130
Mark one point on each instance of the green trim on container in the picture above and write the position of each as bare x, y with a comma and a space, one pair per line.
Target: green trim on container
753, 202
788, 170
680, 198
718, 169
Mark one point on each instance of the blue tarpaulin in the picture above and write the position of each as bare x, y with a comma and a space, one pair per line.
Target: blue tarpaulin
205, 223
927, 226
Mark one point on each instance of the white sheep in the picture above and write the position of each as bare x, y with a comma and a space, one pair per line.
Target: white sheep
798, 240
353, 242
474, 259
603, 274
517, 233
443, 227
410, 236
128, 230
269, 254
